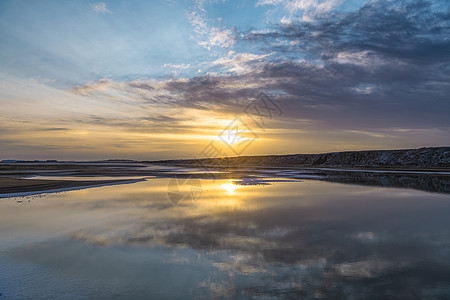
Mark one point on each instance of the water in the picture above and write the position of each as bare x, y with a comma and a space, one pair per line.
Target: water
213, 239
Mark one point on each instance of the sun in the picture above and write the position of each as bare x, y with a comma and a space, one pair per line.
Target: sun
233, 136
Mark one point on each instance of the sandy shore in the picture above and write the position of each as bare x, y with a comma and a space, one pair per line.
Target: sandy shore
12, 186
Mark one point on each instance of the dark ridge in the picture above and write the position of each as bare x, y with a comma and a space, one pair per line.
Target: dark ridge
437, 157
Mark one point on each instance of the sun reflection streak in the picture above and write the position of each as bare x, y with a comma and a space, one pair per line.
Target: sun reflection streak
230, 187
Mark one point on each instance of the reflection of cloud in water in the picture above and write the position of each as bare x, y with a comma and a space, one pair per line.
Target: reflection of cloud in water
367, 237
299, 254
313, 239
367, 268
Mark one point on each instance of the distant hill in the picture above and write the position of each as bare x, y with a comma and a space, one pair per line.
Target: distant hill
438, 157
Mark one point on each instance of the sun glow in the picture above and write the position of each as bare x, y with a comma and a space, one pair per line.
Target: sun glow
230, 187
233, 136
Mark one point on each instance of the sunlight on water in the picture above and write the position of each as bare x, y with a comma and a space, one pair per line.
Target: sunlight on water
225, 238
229, 187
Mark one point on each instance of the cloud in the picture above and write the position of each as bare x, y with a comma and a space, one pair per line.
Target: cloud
309, 10
388, 60
377, 76
362, 58
101, 118
413, 30
382, 66
179, 66
99, 7
294, 6
209, 36
241, 62
220, 38
268, 2
198, 21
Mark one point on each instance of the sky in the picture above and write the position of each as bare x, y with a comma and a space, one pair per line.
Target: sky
150, 80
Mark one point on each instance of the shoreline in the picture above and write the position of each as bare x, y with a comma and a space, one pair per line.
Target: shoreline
425, 168
13, 187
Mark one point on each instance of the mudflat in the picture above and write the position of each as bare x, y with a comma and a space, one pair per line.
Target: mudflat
10, 185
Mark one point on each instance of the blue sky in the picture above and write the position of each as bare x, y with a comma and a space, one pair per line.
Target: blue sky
71, 43
87, 79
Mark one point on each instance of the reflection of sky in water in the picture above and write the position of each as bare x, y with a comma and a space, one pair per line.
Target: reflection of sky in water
274, 239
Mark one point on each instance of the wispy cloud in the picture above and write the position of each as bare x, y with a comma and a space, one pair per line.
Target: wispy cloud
177, 66
99, 7
198, 20
241, 62
305, 10
209, 36
220, 38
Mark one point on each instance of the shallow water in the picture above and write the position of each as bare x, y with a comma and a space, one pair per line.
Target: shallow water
202, 239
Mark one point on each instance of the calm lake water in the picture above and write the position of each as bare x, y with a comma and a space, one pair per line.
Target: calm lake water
213, 239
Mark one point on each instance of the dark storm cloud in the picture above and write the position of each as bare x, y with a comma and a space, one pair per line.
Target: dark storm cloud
201, 92
407, 30
389, 59
386, 64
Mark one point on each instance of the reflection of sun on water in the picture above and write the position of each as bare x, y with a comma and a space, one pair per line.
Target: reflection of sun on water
229, 186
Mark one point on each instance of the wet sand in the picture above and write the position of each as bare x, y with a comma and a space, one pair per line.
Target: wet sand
10, 185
